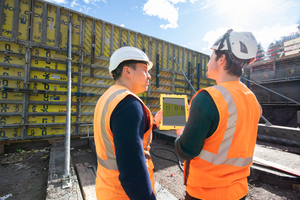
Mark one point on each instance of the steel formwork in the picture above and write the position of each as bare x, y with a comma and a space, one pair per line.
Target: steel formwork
33, 68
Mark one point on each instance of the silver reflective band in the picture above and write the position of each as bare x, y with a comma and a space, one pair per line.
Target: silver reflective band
108, 164
221, 157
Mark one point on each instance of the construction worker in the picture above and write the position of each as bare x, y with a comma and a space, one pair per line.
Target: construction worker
123, 130
219, 138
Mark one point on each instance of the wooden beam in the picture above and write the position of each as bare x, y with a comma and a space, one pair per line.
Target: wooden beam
260, 161
86, 180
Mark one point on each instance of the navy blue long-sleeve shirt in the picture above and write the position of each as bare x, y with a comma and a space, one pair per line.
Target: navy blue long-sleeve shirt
128, 124
202, 123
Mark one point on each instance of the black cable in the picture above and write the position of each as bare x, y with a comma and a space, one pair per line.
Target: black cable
177, 162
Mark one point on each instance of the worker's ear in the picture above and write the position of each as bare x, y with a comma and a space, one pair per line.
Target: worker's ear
222, 60
126, 71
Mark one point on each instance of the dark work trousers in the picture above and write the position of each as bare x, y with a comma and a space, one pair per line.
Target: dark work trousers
188, 197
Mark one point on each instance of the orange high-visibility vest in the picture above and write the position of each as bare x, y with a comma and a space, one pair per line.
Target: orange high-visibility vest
220, 170
108, 186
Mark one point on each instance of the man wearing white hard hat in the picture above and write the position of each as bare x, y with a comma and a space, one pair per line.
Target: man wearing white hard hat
123, 130
219, 138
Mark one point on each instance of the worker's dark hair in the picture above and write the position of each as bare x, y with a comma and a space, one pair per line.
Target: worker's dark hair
231, 67
129, 63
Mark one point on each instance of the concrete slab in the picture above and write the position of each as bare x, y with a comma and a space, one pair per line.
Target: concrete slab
55, 175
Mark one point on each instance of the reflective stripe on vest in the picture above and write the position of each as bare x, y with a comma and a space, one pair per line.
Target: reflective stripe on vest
221, 157
111, 162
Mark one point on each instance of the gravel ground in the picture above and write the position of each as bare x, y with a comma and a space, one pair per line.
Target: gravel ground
24, 174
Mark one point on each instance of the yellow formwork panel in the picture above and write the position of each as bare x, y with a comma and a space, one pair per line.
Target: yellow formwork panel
89, 99
10, 133
184, 64
116, 38
11, 83
95, 90
75, 31
11, 96
48, 119
88, 26
12, 47
154, 109
165, 74
162, 80
203, 86
203, 81
37, 21
87, 118
87, 60
146, 46
107, 35
52, 76
165, 56
87, 109
49, 108
9, 71
139, 41
101, 72
85, 129
132, 39
98, 38
49, 130
97, 81
124, 38
153, 47
180, 60
162, 88
11, 60
52, 65
170, 57
49, 54
180, 90
155, 94
160, 46
181, 83
176, 56
180, 77
50, 87
8, 17
51, 21
50, 97
101, 63
23, 20
10, 107
143, 94
63, 34
10, 120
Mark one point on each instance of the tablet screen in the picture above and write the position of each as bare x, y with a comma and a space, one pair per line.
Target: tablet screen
174, 111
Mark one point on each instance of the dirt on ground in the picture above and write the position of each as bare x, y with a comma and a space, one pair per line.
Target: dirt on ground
24, 173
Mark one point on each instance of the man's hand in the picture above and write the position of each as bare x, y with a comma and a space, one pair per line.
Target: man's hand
157, 118
179, 131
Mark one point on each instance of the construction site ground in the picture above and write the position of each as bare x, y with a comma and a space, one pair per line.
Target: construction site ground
24, 170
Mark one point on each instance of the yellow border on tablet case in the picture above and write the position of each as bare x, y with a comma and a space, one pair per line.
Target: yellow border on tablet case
168, 127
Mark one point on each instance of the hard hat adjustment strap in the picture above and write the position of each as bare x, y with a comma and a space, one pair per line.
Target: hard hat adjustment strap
225, 37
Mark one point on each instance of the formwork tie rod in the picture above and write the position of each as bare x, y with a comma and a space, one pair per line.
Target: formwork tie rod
184, 75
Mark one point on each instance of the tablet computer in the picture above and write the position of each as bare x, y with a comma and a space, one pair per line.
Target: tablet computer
174, 111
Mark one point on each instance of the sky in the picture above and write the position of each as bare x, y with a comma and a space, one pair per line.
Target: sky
195, 24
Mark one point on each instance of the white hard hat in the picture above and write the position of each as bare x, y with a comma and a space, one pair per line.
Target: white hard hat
127, 53
242, 44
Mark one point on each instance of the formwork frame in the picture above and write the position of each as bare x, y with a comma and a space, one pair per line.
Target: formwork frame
33, 72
